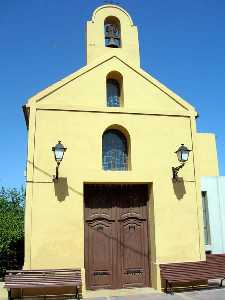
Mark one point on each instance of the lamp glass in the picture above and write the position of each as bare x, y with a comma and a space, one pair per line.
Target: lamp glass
59, 151
59, 154
183, 153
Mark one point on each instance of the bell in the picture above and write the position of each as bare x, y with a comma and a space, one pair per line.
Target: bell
112, 36
113, 43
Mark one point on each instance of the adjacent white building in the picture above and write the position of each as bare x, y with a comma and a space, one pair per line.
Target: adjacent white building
213, 196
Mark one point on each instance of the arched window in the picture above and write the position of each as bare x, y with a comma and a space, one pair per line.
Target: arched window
114, 151
112, 32
114, 89
113, 93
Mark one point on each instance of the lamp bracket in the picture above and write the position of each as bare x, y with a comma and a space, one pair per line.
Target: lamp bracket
56, 176
176, 170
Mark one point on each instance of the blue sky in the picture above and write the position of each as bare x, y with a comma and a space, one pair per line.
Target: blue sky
182, 44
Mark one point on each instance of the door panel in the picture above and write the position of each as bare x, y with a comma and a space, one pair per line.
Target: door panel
133, 201
116, 238
99, 203
100, 253
133, 253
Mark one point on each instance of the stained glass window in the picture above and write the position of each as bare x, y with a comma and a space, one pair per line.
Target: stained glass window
114, 151
113, 93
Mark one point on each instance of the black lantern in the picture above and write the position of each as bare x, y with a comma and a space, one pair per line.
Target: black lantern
59, 151
182, 155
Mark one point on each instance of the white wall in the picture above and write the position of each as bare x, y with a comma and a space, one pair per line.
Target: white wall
215, 188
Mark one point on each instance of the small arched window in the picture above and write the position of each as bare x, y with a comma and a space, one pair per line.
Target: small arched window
113, 93
114, 151
114, 89
112, 32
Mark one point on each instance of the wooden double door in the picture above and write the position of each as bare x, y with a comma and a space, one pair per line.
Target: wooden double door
116, 236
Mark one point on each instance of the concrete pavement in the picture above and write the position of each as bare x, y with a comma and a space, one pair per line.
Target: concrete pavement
213, 294
149, 294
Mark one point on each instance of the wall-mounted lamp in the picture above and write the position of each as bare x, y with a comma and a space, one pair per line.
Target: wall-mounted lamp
182, 155
58, 150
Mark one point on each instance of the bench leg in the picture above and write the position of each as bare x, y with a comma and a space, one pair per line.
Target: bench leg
77, 293
169, 288
221, 283
9, 294
166, 288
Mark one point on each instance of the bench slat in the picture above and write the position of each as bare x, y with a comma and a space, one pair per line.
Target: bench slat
44, 270
39, 277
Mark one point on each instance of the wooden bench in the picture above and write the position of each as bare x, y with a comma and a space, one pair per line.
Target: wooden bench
212, 268
24, 279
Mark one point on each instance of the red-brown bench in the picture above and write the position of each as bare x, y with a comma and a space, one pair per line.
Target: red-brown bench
23, 279
186, 272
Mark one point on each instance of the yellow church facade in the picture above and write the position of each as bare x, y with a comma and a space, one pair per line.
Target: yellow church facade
115, 210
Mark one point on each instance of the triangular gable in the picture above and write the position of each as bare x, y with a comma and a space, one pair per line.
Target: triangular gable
139, 74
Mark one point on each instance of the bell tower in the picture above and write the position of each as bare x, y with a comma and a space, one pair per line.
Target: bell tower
111, 32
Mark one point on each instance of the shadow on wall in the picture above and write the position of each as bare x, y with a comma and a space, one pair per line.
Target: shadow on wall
61, 188
179, 188
50, 176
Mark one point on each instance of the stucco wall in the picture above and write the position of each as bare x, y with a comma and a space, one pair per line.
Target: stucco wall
55, 235
215, 188
207, 154
88, 90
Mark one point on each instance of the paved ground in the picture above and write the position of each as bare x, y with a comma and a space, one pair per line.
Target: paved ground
213, 294
205, 294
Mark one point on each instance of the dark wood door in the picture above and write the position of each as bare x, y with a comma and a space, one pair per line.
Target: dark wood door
116, 236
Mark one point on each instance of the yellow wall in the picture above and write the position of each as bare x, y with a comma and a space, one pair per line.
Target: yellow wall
74, 111
80, 92
56, 223
207, 155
